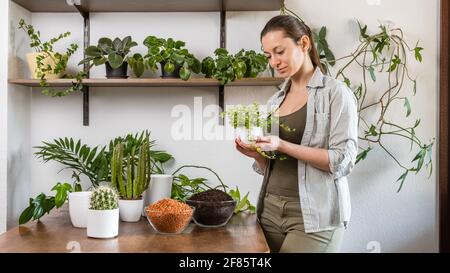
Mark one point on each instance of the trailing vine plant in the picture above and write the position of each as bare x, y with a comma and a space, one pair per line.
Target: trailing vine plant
385, 53
60, 61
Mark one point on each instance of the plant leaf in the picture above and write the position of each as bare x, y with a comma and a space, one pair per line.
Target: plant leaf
408, 107
115, 60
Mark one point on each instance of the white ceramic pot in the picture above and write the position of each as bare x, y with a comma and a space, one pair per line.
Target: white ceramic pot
78, 208
160, 187
103, 223
248, 136
130, 210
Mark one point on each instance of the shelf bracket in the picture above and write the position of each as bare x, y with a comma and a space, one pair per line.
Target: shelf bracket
86, 36
221, 104
223, 44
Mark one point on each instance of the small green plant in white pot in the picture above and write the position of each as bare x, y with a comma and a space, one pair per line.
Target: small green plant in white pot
247, 121
250, 122
103, 213
130, 175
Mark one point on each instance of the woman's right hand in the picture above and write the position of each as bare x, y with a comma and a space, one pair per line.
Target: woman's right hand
246, 149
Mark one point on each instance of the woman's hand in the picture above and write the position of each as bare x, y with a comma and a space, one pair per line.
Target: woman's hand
248, 150
268, 143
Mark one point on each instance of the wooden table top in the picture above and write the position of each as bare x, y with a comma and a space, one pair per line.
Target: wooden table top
55, 233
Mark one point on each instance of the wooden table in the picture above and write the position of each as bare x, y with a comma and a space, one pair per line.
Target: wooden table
55, 233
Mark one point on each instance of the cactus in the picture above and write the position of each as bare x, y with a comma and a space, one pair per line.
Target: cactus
104, 198
132, 177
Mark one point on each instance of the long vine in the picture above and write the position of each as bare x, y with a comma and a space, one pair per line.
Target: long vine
385, 52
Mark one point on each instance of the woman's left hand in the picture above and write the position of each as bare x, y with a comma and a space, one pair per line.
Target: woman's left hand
268, 143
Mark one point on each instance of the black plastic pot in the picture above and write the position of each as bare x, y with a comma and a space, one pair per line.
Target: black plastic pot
117, 73
174, 74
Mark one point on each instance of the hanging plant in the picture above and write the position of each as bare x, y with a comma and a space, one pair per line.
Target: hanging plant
46, 63
383, 54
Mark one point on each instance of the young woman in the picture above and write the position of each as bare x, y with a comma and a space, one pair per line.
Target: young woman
304, 203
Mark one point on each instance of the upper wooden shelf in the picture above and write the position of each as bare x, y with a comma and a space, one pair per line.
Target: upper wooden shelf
152, 82
151, 5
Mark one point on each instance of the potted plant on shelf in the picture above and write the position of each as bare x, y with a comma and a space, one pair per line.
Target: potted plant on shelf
112, 53
130, 175
137, 64
227, 67
103, 213
45, 64
175, 60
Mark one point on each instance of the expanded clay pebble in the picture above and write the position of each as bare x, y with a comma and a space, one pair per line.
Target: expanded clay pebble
169, 216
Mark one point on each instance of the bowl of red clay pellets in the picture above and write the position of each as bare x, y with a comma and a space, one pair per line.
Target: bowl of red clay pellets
168, 216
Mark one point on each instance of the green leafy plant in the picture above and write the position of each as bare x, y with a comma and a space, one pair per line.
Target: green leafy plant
384, 54
171, 55
137, 64
58, 64
112, 51
104, 198
242, 204
129, 176
94, 163
250, 117
183, 187
227, 67
43, 204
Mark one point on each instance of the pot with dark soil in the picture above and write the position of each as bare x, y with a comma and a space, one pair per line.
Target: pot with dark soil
213, 208
117, 73
170, 70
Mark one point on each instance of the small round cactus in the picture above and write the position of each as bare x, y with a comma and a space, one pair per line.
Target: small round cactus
104, 198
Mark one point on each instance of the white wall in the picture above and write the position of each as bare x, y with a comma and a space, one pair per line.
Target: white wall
3, 112
404, 222
18, 133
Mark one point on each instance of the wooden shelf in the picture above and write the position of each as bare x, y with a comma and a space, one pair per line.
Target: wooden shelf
152, 82
151, 5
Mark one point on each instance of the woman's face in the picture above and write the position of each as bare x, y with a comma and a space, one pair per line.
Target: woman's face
285, 56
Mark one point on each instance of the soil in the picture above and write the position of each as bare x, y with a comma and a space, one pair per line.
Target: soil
211, 195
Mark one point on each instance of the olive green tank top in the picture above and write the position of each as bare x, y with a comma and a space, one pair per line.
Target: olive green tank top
283, 174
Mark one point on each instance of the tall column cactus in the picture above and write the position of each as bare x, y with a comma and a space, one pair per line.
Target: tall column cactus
104, 198
131, 176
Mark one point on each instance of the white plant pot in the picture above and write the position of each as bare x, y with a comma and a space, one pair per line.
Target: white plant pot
160, 187
103, 223
248, 136
78, 208
130, 210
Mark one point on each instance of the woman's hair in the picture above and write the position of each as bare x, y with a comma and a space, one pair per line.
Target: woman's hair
294, 29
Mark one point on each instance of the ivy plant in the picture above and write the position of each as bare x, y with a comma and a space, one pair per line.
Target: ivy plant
381, 55
59, 59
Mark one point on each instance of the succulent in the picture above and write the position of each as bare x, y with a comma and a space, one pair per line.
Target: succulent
104, 198
130, 171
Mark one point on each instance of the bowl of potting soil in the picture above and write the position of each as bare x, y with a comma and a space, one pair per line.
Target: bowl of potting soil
168, 216
213, 208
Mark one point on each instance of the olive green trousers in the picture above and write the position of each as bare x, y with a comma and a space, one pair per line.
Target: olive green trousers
282, 223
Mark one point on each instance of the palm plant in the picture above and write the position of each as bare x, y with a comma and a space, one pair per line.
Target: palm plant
94, 163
